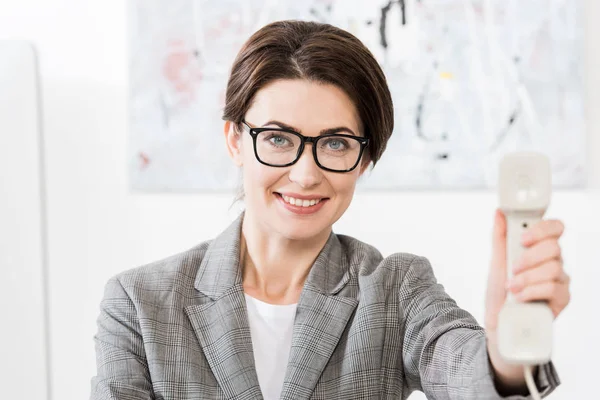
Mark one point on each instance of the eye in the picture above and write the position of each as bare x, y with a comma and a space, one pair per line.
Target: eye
277, 139
336, 144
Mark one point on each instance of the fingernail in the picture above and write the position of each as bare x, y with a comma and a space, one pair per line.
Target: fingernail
512, 286
526, 238
520, 296
519, 265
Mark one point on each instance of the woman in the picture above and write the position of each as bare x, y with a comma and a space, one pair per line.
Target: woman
279, 306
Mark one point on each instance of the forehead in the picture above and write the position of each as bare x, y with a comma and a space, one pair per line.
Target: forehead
308, 106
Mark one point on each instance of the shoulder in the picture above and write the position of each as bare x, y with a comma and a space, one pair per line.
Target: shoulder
178, 270
367, 262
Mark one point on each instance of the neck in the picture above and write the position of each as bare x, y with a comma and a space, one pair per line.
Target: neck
274, 267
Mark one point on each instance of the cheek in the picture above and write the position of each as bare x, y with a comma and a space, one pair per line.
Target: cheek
260, 180
344, 186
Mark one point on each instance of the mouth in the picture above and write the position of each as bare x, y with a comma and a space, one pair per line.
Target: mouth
303, 203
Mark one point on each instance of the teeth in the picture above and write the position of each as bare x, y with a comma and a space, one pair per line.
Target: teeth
299, 202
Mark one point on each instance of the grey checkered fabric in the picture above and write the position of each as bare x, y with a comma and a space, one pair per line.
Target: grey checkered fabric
366, 327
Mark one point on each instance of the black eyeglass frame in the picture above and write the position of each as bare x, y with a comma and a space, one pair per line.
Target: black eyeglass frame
254, 132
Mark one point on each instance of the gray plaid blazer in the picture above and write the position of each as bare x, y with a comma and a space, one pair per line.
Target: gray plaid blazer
366, 327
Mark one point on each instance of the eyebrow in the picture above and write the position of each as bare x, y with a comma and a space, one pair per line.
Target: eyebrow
328, 131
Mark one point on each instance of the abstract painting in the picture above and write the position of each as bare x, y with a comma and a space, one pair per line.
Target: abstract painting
471, 80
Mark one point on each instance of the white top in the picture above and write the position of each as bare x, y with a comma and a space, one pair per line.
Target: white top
271, 329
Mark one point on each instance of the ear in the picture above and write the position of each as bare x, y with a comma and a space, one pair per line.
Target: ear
233, 140
364, 163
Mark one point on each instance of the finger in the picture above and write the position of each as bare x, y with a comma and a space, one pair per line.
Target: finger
539, 253
555, 294
547, 291
564, 278
499, 243
550, 228
548, 271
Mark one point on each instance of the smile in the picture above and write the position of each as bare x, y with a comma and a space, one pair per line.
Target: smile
300, 202
301, 206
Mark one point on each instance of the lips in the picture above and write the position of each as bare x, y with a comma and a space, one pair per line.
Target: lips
302, 196
301, 204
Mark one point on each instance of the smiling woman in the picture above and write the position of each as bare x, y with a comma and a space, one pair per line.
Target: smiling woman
278, 305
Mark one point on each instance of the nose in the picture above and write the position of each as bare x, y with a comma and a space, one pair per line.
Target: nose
305, 172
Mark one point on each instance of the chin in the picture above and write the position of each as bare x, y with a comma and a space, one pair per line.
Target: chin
299, 230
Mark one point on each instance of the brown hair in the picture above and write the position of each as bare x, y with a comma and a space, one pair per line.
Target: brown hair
317, 52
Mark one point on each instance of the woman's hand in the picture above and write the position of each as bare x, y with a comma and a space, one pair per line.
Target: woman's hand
537, 275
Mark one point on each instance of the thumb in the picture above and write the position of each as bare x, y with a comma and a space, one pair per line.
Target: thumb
496, 291
499, 243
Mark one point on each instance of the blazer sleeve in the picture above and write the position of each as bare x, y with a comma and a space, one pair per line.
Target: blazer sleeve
444, 349
122, 368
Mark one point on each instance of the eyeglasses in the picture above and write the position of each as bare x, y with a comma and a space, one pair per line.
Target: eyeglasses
278, 147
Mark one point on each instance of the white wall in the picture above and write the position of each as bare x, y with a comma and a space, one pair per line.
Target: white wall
97, 227
22, 245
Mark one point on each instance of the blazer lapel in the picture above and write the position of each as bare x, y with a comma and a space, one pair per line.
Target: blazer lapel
224, 335
221, 323
321, 319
